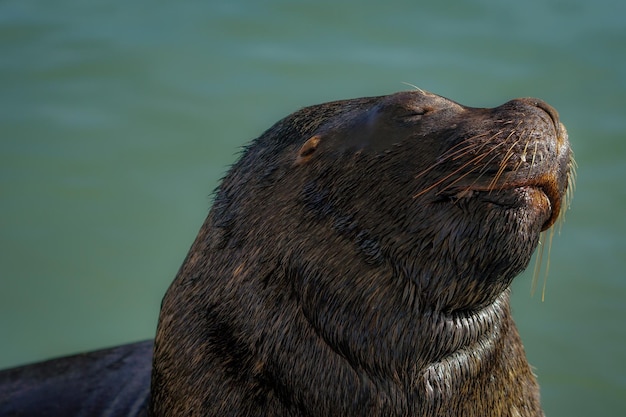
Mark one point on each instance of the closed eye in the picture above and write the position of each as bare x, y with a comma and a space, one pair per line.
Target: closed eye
414, 114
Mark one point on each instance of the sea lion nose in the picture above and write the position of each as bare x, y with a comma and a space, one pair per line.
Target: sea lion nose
533, 106
561, 133
540, 104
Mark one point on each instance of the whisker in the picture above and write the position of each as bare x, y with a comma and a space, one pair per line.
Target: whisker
482, 168
569, 193
545, 274
532, 162
427, 189
414, 86
509, 154
462, 151
464, 175
486, 166
522, 158
453, 155
571, 179
473, 161
538, 262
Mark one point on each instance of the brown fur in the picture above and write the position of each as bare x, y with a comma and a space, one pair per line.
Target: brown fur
357, 260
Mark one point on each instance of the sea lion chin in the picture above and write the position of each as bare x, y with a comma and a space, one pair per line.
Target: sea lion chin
357, 261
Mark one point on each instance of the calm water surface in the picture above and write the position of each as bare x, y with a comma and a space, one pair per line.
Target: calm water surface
117, 119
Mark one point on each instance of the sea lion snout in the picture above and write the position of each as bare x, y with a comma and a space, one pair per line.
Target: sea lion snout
539, 141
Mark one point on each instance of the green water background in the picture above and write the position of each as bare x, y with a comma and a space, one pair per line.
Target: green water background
118, 118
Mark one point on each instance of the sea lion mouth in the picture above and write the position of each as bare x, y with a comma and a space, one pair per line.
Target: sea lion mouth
550, 193
542, 194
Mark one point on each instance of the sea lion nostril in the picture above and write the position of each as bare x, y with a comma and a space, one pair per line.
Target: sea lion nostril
542, 105
554, 115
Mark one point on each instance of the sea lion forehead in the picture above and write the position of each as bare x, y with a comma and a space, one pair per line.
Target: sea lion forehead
419, 110
388, 120
419, 98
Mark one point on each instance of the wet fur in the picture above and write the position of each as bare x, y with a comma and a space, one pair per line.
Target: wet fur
357, 260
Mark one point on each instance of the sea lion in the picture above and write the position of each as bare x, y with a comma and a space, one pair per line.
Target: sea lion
357, 261
112, 382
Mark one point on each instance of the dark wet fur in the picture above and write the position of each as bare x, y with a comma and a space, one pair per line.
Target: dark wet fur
357, 260
111, 382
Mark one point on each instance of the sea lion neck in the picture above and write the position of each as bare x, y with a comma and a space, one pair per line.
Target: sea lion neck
401, 328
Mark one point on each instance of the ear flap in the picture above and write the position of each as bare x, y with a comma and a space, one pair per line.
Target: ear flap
307, 150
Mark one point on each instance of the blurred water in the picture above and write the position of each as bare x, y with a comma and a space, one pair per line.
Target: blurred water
117, 119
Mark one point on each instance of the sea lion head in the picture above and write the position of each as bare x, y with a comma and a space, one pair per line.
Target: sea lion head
433, 189
368, 239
